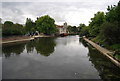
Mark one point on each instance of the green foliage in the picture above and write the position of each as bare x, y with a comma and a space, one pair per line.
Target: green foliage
105, 28
111, 16
9, 29
95, 23
20, 29
30, 26
72, 29
80, 27
111, 32
69, 28
46, 24
117, 57
16, 48
84, 31
118, 13
0, 27
111, 28
8, 23
115, 46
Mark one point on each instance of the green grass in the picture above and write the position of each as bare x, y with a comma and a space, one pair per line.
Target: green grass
115, 47
117, 57
100, 40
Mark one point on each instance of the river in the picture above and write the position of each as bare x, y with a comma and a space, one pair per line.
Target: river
56, 58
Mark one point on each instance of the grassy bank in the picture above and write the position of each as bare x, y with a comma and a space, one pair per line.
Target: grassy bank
113, 47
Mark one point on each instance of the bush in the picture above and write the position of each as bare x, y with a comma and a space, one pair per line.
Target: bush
111, 31
84, 31
9, 29
115, 47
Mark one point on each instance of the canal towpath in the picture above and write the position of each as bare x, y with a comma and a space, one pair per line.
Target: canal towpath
20, 39
104, 51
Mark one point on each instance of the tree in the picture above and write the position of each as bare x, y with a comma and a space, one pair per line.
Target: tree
96, 22
46, 24
72, 29
8, 23
113, 14
0, 27
111, 31
81, 26
111, 28
30, 26
19, 29
9, 29
118, 13
69, 28
84, 31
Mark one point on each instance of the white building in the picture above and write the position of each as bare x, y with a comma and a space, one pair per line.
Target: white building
62, 29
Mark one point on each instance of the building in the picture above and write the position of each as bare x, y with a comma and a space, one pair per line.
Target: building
62, 28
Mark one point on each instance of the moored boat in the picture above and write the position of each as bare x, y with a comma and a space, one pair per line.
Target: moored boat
64, 34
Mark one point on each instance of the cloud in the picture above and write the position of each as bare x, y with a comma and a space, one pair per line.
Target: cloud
74, 13
58, 0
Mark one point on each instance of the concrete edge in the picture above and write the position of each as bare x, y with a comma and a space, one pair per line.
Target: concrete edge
17, 41
31, 38
104, 53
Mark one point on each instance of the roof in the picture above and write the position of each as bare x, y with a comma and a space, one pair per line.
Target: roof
59, 26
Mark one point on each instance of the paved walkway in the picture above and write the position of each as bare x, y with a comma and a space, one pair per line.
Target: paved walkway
16, 40
103, 51
20, 39
37, 36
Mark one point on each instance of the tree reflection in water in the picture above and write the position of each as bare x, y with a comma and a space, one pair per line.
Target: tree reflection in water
106, 69
30, 46
45, 46
13, 49
83, 42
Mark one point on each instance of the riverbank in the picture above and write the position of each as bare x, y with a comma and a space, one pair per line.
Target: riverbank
20, 38
103, 51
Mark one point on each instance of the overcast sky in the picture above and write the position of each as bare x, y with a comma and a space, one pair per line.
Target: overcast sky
73, 12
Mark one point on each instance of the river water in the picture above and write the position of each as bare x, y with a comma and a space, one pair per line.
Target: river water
55, 58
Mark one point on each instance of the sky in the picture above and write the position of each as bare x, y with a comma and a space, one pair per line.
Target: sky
73, 12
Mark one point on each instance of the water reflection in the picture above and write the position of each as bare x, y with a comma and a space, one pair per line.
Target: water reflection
107, 70
43, 46
72, 59
81, 40
30, 46
67, 40
15, 49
